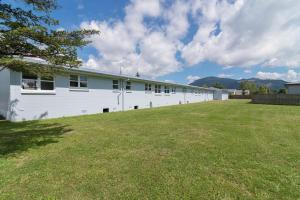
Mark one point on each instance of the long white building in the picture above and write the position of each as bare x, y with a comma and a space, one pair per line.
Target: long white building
84, 91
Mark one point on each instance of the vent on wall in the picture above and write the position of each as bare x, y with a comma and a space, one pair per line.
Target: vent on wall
105, 110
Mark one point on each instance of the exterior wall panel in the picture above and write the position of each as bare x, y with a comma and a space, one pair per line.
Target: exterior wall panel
4, 92
293, 89
100, 95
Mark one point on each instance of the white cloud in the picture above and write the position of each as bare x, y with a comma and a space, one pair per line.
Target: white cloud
247, 71
169, 81
251, 33
192, 78
290, 76
239, 33
225, 75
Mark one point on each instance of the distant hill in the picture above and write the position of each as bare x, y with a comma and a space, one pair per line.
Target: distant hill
235, 84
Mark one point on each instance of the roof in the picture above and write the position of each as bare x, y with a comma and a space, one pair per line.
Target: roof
112, 75
127, 77
292, 84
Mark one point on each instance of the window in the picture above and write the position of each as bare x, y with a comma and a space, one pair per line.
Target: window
115, 84
29, 82
157, 88
148, 87
77, 81
173, 90
35, 82
167, 89
128, 85
83, 82
47, 83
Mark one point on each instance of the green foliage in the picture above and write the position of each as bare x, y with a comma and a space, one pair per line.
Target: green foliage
263, 90
30, 33
219, 85
282, 91
248, 85
214, 150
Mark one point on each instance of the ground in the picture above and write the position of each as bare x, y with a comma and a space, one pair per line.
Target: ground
213, 150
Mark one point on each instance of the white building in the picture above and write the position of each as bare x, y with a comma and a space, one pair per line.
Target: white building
84, 91
293, 88
221, 94
238, 92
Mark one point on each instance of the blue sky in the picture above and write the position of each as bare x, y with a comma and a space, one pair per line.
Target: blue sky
183, 40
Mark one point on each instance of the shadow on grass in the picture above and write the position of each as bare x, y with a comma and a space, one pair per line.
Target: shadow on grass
18, 137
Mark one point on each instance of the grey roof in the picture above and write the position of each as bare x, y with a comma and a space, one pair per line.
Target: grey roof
292, 84
114, 75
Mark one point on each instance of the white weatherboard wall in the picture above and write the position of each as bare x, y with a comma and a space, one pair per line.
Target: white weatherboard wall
4, 92
293, 89
63, 101
220, 95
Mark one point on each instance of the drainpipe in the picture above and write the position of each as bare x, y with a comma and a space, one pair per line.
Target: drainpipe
123, 98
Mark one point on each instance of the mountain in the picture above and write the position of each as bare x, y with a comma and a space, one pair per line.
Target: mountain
235, 84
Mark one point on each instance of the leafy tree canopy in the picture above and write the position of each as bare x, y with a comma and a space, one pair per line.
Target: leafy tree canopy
219, 85
263, 90
28, 30
247, 85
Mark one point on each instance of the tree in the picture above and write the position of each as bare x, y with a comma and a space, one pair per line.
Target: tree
263, 89
219, 85
282, 91
247, 85
29, 33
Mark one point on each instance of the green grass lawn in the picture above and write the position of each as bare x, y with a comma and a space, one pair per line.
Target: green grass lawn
214, 150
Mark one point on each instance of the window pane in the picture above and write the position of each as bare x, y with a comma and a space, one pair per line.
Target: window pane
73, 84
115, 82
128, 85
47, 85
29, 84
73, 78
83, 84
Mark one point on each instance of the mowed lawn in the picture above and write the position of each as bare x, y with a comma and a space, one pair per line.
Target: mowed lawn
213, 150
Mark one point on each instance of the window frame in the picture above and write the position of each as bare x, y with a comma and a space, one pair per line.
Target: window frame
157, 89
173, 90
39, 81
167, 89
148, 87
118, 84
79, 81
128, 87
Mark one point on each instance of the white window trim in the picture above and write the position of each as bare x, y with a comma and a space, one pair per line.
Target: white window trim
147, 88
158, 89
78, 88
119, 85
38, 91
128, 90
167, 88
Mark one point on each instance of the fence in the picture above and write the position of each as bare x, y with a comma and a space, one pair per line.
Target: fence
278, 99
239, 96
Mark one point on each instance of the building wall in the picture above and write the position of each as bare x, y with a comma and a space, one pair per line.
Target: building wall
220, 95
4, 92
293, 89
100, 95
